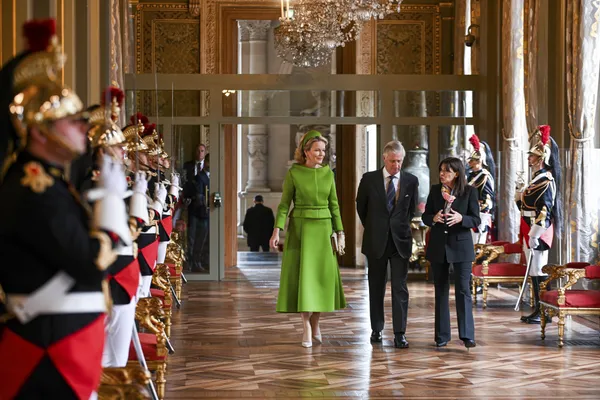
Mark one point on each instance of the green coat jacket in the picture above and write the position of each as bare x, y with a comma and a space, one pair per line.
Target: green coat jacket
314, 195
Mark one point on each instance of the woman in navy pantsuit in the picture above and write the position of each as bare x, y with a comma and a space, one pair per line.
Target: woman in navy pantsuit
452, 210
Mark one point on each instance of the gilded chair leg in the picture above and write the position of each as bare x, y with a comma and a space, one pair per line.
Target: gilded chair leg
561, 329
161, 381
178, 287
474, 290
531, 295
485, 293
543, 320
168, 324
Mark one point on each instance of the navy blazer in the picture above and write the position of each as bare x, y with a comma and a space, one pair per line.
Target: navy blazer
457, 244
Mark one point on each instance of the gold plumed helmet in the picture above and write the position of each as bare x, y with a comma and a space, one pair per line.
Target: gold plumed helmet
133, 132
478, 150
40, 99
148, 138
104, 131
161, 145
540, 143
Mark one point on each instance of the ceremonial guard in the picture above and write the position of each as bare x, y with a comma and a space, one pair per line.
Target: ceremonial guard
148, 239
165, 226
540, 207
54, 253
481, 176
109, 142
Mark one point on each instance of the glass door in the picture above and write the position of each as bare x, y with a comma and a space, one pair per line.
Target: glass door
422, 111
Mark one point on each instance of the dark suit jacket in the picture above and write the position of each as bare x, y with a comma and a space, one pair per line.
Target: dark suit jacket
457, 244
194, 188
258, 224
189, 189
371, 205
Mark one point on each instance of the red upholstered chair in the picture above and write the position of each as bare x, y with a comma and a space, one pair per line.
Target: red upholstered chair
497, 272
154, 341
563, 301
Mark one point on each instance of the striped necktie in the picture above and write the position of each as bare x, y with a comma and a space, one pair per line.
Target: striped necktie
391, 194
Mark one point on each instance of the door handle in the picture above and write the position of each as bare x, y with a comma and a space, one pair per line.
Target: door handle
217, 200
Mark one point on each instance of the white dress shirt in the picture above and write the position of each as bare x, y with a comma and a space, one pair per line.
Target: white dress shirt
198, 167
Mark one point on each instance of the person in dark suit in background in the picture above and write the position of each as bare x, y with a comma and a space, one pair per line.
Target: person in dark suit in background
193, 167
452, 210
386, 203
195, 192
258, 224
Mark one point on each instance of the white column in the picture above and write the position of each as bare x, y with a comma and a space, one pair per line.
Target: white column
257, 134
242, 111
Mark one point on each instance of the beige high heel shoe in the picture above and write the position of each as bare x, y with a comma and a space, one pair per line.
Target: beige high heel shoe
318, 338
307, 343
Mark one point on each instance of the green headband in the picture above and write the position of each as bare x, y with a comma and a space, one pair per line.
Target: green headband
310, 135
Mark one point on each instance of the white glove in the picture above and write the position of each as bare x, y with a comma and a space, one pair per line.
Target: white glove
160, 195
341, 243
175, 179
112, 177
110, 213
138, 204
174, 189
140, 184
518, 196
534, 242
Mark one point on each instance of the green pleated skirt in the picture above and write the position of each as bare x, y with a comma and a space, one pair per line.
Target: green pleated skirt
310, 277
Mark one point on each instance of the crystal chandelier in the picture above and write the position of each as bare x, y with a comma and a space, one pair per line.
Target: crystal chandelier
311, 30
365, 10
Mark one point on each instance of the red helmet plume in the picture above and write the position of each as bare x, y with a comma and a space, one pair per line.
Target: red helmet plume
474, 140
139, 117
113, 93
38, 33
148, 129
545, 132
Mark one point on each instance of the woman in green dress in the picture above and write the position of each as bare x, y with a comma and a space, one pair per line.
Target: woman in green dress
310, 278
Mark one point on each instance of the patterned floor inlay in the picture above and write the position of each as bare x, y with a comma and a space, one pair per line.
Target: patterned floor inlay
230, 343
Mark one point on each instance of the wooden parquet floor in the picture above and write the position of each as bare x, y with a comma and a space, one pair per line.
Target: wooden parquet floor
230, 343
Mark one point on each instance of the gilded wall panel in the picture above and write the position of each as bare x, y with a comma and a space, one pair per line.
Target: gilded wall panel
168, 41
408, 42
400, 47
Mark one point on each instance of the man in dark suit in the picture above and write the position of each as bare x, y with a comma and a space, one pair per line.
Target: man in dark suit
258, 224
195, 192
386, 203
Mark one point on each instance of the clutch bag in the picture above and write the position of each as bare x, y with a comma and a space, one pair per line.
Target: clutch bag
334, 242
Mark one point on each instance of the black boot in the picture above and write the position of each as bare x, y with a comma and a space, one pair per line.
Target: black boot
541, 279
535, 317
524, 318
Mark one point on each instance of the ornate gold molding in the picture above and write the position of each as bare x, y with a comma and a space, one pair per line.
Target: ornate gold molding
211, 19
194, 8
367, 54
139, 23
